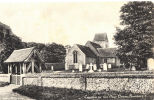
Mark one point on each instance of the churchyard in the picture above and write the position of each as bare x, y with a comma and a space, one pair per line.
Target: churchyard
93, 71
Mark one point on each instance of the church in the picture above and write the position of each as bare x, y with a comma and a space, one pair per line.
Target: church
93, 52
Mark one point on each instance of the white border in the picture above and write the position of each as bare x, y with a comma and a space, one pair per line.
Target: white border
69, 0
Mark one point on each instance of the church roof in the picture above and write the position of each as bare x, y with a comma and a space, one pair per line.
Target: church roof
87, 51
108, 52
95, 45
101, 37
20, 55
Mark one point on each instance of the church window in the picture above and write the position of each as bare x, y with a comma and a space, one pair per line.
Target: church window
105, 60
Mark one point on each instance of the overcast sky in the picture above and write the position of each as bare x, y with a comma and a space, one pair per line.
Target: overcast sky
63, 23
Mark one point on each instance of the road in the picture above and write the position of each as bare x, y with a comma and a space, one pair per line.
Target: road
6, 93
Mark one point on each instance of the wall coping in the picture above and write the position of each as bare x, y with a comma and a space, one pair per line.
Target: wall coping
4, 75
93, 75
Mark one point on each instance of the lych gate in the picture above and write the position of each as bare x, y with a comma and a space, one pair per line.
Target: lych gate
23, 61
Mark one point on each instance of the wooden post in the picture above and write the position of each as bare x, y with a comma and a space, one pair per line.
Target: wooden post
16, 69
33, 66
40, 67
8, 68
115, 61
12, 68
23, 68
20, 69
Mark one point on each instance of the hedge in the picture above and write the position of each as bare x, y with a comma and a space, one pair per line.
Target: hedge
52, 93
56, 66
2, 84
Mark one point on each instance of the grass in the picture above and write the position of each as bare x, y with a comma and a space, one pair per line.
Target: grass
2, 84
52, 93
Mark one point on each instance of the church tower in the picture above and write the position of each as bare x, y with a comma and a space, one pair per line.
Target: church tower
101, 39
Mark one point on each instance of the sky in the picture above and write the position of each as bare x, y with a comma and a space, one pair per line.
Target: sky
64, 23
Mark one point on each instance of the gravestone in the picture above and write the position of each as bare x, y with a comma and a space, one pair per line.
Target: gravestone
80, 67
52, 68
105, 67
87, 66
109, 66
91, 68
133, 68
95, 67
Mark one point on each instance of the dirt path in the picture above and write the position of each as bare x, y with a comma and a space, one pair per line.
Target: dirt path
6, 93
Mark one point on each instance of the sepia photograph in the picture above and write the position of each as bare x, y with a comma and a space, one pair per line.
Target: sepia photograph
76, 50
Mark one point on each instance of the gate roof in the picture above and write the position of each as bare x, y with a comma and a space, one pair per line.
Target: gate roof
22, 55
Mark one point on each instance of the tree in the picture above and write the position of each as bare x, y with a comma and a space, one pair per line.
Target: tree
9, 42
136, 39
53, 53
38, 46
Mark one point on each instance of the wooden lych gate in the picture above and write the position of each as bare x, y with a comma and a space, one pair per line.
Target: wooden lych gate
23, 61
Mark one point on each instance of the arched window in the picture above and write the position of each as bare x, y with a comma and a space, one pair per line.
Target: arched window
75, 58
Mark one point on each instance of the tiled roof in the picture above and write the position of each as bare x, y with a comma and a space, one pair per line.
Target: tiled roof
101, 37
87, 51
95, 45
19, 55
108, 52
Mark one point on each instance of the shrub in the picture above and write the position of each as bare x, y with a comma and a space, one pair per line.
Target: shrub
52, 93
2, 84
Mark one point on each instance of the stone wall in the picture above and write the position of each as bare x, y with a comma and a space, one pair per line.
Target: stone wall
30, 81
136, 85
63, 82
5, 77
111, 81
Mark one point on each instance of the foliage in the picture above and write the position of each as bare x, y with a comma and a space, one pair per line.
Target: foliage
8, 43
136, 39
38, 46
52, 93
46, 93
53, 53
2, 84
